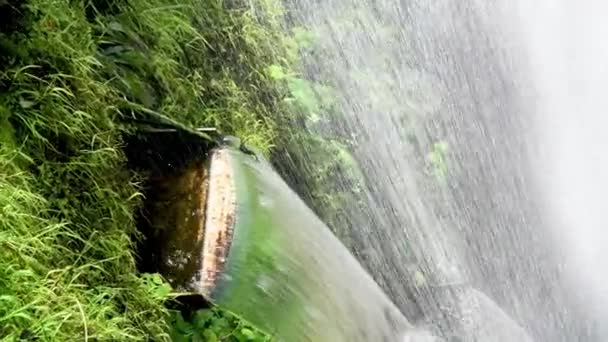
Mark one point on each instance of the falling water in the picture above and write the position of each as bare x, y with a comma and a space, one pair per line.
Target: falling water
568, 54
476, 126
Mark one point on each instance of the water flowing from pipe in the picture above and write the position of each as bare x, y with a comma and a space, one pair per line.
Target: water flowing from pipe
477, 128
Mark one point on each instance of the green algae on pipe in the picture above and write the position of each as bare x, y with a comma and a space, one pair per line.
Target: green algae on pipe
256, 249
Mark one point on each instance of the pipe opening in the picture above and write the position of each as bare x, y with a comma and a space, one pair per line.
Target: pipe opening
188, 215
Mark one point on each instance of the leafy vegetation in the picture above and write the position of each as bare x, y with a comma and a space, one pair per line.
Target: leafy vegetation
213, 326
72, 75
316, 161
437, 160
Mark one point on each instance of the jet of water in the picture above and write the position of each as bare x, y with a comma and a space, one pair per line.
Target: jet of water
477, 127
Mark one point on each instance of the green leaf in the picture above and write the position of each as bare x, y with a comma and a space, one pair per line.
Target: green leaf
304, 94
177, 337
441, 146
202, 317
163, 290
248, 333
210, 336
181, 324
221, 324
276, 72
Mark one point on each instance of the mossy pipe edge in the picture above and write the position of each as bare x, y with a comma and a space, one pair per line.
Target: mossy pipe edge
219, 219
268, 258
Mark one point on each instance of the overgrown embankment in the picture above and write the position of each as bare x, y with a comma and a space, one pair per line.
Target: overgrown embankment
72, 75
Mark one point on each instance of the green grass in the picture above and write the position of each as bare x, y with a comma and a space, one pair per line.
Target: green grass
71, 74
66, 201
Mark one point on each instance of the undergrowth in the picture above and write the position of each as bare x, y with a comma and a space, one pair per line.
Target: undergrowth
72, 76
